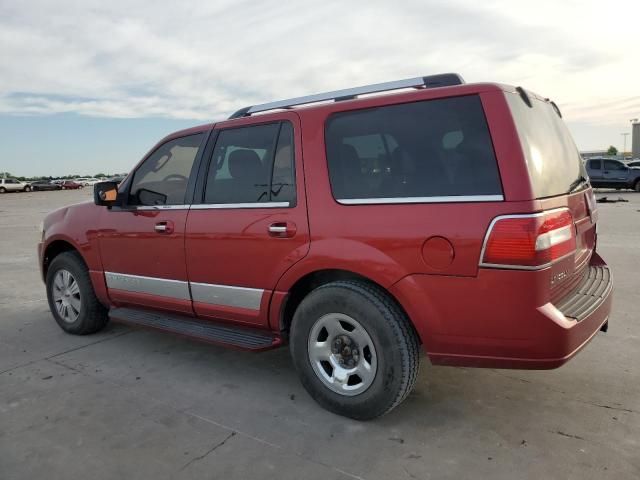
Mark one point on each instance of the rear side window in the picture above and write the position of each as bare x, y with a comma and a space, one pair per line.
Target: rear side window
594, 165
552, 158
412, 152
252, 165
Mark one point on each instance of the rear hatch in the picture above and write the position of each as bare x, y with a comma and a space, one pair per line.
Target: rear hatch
559, 180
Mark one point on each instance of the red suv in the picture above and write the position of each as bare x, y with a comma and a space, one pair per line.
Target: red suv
357, 228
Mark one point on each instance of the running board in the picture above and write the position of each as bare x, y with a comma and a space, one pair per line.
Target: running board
232, 336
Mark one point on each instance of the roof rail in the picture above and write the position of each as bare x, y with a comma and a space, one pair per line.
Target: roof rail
431, 81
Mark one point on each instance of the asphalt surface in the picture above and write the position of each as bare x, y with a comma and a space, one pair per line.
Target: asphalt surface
133, 404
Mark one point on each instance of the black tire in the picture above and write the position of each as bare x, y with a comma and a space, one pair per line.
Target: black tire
27, 188
396, 346
93, 316
636, 186
3, 190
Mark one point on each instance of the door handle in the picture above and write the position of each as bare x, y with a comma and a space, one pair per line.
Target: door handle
282, 229
164, 227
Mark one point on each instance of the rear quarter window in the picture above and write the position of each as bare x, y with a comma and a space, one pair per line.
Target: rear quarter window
436, 150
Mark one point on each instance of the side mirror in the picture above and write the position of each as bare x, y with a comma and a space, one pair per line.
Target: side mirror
105, 193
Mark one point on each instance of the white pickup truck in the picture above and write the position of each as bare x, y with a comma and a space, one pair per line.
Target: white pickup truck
13, 185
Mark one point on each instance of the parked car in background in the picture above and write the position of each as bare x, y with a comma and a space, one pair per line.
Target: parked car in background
452, 218
13, 185
607, 173
635, 163
70, 185
87, 181
117, 179
45, 185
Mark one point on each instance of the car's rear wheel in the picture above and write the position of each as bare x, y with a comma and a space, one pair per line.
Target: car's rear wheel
3, 190
27, 188
354, 349
636, 186
72, 301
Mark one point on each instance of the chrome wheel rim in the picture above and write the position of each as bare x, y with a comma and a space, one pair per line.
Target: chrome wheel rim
66, 296
342, 354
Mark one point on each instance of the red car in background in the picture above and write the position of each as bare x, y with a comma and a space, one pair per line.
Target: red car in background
453, 218
70, 185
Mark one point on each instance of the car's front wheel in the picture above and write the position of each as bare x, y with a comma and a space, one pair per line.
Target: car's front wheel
72, 301
27, 188
354, 349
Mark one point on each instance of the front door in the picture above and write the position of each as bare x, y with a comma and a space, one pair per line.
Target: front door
615, 173
142, 242
250, 224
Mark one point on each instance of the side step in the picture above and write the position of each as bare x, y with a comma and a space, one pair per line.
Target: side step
239, 337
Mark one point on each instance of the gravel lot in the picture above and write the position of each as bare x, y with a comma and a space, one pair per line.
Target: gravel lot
129, 404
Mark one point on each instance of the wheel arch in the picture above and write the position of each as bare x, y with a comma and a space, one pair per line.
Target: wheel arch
55, 248
312, 280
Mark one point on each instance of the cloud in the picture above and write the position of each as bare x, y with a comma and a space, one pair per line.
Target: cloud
204, 60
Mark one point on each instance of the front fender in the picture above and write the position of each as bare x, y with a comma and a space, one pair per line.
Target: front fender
77, 226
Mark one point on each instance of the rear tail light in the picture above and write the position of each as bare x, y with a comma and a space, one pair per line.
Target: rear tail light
529, 241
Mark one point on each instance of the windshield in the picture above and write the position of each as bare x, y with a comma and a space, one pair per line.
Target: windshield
552, 158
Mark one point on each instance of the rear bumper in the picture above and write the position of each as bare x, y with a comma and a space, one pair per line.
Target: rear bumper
503, 319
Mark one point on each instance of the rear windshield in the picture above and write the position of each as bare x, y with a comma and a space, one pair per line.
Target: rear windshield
552, 158
413, 152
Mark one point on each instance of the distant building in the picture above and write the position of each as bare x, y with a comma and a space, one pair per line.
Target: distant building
635, 140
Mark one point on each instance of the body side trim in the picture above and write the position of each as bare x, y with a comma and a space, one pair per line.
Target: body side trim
224, 295
241, 297
150, 285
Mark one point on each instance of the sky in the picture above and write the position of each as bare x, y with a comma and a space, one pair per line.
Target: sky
89, 86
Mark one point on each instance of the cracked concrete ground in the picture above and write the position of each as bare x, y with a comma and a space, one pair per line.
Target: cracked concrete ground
139, 405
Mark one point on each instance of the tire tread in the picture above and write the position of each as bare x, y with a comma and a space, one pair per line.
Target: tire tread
95, 314
405, 337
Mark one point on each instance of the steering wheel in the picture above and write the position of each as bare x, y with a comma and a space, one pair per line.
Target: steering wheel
175, 176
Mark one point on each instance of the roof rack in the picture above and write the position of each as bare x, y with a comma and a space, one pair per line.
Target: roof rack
431, 81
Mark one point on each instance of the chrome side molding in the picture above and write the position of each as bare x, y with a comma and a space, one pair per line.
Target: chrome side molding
150, 285
224, 295
443, 199
241, 297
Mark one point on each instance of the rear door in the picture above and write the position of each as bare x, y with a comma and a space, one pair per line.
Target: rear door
142, 242
555, 171
12, 185
594, 167
250, 223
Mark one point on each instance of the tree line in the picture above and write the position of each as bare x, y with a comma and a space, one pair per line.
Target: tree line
64, 177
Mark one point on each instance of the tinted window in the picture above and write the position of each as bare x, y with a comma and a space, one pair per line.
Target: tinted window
613, 165
252, 165
552, 158
162, 178
423, 149
594, 164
